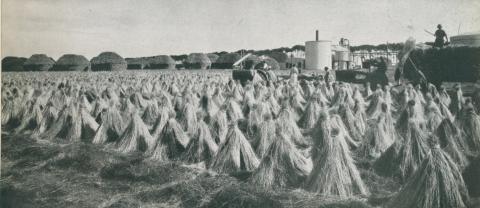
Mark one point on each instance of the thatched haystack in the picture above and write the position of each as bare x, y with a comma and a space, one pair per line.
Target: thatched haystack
72, 62
197, 61
160, 62
281, 58
235, 154
136, 63
251, 61
213, 57
437, 183
11, 63
226, 61
282, 165
38, 62
271, 63
108, 61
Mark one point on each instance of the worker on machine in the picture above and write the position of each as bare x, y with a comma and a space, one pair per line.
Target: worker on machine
440, 37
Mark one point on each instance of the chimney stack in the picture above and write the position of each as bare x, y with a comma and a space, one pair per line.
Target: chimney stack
316, 35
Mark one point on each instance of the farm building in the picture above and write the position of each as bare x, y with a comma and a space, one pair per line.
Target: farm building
108, 61
160, 62
136, 63
226, 61
197, 61
38, 62
72, 62
11, 63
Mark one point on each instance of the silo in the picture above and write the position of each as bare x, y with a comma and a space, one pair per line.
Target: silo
342, 57
318, 54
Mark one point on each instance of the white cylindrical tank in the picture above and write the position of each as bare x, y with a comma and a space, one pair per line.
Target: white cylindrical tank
342, 56
318, 54
467, 39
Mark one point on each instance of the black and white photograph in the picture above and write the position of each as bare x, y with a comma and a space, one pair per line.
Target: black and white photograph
240, 104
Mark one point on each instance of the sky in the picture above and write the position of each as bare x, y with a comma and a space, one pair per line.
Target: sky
135, 28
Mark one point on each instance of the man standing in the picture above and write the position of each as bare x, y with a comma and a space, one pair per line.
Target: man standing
440, 37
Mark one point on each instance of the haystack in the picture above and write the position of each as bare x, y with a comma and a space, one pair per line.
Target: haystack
66, 127
234, 111
405, 155
375, 106
334, 172
32, 118
161, 62
235, 154
11, 63
108, 61
280, 57
171, 143
336, 122
72, 62
470, 123
251, 61
111, 127
264, 136
89, 126
189, 119
287, 125
164, 114
219, 126
136, 136
136, 63
213, 57
208, 108
312, 112
197, 61
226, 61
49, 116
271, 63
282, 165
451, 141
353, 124
151, 114
380, 135
202, 146
257, 115
437, 183
38, 62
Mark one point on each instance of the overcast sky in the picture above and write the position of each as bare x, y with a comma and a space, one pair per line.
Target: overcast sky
136, 28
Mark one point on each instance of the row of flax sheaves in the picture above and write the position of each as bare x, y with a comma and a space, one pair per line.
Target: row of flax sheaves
288, 134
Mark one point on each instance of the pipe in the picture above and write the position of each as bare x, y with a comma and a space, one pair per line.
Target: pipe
316, 35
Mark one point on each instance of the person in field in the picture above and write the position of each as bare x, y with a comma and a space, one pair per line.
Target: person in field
440, 37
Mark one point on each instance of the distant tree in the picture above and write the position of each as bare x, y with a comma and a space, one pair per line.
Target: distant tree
298, 47
179, 57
